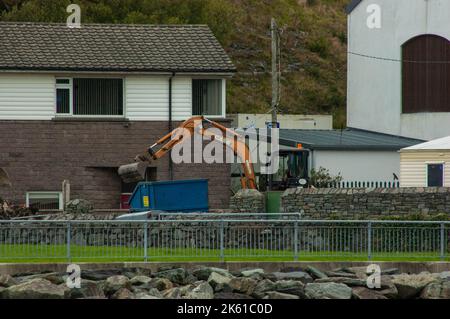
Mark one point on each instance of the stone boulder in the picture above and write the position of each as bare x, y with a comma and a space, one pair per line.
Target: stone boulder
279, 295
410, 286
316, 273
436, 290
123, 293
243, 285
202, 291
159, 283
294, 275
231, 295
88, 289
203, 273
290, 287
262, 287
366, 293
140, 280
7, 281
37, 288
178, 276
218, 282
114, 283
252, 272
328, 291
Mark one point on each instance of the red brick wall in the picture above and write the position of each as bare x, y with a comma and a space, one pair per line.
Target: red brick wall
39, 155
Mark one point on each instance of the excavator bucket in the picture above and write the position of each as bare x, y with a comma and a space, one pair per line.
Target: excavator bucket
4, 178
132, 173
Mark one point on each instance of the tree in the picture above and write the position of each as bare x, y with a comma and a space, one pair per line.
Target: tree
322, 178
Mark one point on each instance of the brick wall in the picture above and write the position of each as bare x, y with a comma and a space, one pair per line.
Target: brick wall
366, 203
39, 155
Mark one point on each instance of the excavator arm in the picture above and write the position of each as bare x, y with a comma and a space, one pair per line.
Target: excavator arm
195, 125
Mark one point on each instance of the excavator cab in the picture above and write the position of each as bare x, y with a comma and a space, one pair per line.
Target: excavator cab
293, 170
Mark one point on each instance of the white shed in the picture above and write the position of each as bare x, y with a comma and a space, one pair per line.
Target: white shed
426, 164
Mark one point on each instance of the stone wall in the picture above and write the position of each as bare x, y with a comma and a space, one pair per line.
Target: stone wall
366, 203
248, 201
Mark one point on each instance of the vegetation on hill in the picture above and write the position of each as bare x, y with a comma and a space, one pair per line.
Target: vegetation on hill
313, 43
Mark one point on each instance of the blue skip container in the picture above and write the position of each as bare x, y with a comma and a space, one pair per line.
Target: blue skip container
171, 196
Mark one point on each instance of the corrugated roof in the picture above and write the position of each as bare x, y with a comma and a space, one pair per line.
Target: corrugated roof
111, 47
438, 144
347, 139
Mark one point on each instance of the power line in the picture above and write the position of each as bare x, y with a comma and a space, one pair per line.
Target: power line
396, 60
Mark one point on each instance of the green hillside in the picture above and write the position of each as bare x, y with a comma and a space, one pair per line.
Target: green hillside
313, 43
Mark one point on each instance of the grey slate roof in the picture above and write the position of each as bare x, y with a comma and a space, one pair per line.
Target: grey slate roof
111, 48
347, 139
352, 5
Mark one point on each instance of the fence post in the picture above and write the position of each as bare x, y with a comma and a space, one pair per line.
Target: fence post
146, 241
68, 237
296, 241
369, 240
221, 236
443, 243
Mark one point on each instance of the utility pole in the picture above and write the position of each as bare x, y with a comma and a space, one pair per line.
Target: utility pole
275, 74
275, 83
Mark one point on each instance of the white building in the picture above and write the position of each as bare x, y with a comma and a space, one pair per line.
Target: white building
399, 67
426, 164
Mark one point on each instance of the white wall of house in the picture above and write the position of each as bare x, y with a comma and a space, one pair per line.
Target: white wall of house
27, 97
146, 98
359, 166
374, 86
414, 165
287, 121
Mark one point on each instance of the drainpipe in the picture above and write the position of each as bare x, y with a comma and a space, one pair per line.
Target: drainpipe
170, 125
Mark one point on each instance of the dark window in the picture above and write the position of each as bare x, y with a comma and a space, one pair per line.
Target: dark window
426, 74
62, 101
44, 200
207, 97
97, 96
435, 175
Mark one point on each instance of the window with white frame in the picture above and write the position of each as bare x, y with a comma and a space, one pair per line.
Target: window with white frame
207, 97
44, 200
89, 96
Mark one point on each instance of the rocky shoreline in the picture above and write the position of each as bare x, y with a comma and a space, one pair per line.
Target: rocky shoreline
217, 283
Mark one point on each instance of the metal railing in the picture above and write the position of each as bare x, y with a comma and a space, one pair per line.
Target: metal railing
170, 240
365, 184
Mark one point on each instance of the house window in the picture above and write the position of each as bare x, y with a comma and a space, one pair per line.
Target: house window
207, 97
426, 74
435, 175
89, 97
44, 200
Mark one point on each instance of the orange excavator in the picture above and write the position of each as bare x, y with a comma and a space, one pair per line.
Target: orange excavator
196, 125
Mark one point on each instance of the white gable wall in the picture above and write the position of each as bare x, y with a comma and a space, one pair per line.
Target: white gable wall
374, 86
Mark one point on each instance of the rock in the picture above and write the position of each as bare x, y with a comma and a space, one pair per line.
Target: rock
123, 293
7, 281
327, 291
436, 290
140, 280
99, 275
295, 275
352, 282
218, 281
243, 285
160, 283
444, 275
290, 287
114, 283
88, 289
279, 295
35, 289
53, 277
359, 272
203, 273
340, 274
316, 273
230, 295
252, 272
388, 288
2, 289
202, 291
152, 292
179, 276
390, 271
366, 293
172, 293
262, 287
410, 286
